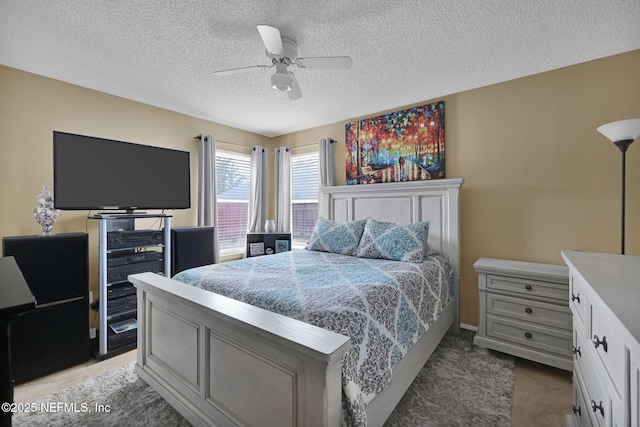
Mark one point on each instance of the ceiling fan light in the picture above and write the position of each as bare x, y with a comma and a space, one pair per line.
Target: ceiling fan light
281, 82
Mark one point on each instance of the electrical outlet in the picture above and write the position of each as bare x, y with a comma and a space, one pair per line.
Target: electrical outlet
92, 333
90, 297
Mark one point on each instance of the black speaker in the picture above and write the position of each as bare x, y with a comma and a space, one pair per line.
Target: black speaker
191, 247
55, 335
55, 267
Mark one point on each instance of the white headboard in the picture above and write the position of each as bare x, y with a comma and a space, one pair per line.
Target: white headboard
436, 201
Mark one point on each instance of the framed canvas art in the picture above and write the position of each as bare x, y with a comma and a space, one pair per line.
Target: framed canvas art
282, 246
256, 249
406, 145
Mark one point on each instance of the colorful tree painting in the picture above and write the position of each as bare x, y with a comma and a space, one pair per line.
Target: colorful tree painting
406, 145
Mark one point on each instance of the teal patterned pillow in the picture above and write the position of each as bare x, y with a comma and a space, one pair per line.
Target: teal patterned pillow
337, 237
399, 242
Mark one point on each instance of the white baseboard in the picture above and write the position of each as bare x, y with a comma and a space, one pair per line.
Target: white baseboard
468, 327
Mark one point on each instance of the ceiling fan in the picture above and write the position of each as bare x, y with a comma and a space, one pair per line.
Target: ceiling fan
283, 52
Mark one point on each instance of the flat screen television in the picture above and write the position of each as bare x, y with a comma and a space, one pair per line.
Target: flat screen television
92, 173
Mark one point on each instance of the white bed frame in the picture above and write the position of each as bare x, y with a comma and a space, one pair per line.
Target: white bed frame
221, 362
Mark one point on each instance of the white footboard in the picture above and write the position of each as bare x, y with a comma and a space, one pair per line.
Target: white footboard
221, 362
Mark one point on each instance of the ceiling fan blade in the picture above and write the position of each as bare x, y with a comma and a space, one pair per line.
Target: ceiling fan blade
271, 39
332, 62
295, 92
239, 70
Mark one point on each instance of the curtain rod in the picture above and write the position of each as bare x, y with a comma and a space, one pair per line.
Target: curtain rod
315, 144
198, 137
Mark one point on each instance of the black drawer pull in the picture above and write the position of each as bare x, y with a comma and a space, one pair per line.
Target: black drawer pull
597, 343
576, 410
577, 351
597, 407
528, 287
528, 334
528, 310
575, 297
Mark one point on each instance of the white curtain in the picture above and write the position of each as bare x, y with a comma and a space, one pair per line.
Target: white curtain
258, 201
327, 164
282, 184
207, 206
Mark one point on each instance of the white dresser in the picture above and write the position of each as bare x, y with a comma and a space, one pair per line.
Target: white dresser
524, 310
605, 302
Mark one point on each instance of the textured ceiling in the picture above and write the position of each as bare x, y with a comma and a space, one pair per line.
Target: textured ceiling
163, 52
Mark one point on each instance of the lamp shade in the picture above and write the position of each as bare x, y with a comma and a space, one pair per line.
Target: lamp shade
621, 130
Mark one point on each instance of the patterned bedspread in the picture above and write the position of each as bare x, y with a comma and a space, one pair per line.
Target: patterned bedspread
384, 306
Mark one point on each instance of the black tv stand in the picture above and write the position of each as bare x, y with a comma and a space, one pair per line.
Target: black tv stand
124, 249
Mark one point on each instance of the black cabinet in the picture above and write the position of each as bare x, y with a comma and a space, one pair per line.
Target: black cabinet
267, 243
55, 335
15, 299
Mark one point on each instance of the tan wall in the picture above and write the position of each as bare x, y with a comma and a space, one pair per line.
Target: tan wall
32, 107
538, 176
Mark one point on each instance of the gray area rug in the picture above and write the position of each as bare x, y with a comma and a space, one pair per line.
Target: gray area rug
460, 385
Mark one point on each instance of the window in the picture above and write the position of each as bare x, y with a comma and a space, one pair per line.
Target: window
305, 177
233, 171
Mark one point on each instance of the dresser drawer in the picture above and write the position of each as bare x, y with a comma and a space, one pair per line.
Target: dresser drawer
595, 392
609, 349
542, 313
580, 408
578, 346
528, 288
635, 389
549, 340
577, 298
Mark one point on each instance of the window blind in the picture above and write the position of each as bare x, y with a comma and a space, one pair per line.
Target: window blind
233, 171
305, 171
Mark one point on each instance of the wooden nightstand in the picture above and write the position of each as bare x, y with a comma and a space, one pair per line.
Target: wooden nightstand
524, 310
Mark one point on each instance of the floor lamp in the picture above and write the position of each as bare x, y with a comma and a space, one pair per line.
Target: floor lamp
622, 133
